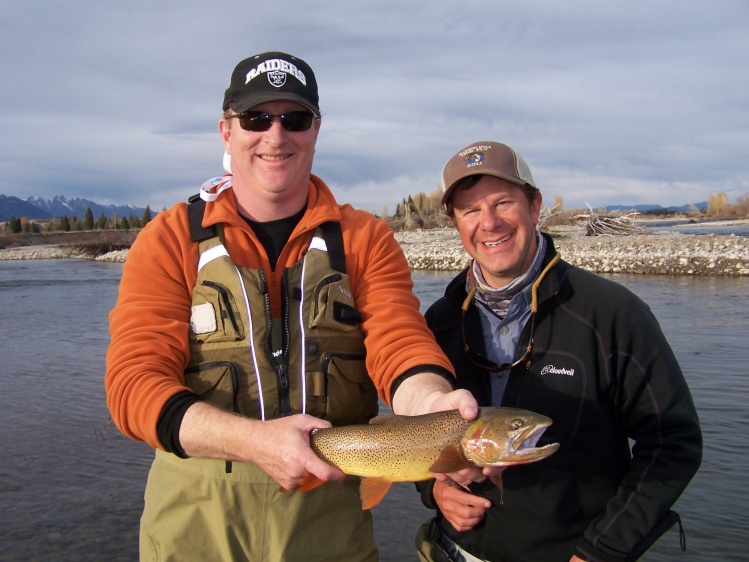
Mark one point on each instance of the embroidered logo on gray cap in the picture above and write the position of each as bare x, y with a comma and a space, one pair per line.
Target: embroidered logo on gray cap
474, 159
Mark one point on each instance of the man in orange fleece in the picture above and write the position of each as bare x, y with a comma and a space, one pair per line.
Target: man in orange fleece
249, 318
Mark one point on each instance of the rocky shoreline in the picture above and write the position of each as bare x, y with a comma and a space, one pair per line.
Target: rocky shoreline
440, 250
652, 253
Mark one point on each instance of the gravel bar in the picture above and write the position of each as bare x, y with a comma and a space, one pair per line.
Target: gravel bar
439, 249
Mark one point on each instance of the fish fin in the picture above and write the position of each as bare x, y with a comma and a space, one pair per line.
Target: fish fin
499, 483
372, 490
450, 459
380, 419
383, 419
310, 482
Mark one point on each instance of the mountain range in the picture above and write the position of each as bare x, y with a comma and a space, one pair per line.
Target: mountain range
55, 208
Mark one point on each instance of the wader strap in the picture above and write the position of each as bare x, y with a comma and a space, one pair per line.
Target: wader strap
195, 211
334, 241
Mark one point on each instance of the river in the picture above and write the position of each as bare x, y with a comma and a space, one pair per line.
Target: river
71, 485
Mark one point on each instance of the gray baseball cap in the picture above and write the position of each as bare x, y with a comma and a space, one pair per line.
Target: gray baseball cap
489, 158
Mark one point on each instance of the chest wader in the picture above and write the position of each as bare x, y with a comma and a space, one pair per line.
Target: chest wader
311, 360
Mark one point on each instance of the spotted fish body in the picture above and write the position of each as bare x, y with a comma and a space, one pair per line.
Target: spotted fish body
413, 448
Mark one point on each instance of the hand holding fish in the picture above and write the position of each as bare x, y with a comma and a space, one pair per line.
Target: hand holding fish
284, 453
426, 393
462, 509
468, 476
280, 446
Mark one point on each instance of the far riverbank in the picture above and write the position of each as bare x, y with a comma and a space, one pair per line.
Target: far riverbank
650, 252
659, 253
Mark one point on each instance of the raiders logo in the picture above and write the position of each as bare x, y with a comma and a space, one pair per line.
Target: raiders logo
277, 78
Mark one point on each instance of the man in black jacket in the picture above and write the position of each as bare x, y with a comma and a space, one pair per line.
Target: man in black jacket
525, 329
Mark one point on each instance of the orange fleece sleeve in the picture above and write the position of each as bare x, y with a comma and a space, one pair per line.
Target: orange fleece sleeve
396, 335
149, 325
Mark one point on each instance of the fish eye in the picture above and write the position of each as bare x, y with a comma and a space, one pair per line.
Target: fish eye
516, 424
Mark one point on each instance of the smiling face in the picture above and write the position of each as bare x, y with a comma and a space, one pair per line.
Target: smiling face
271, 168
497, 226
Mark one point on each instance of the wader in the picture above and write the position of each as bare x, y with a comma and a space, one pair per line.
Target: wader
311, 360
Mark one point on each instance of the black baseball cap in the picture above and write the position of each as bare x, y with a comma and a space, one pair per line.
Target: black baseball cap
272, 76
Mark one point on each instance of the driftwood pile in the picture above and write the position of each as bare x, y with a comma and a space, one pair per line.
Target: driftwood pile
608, 224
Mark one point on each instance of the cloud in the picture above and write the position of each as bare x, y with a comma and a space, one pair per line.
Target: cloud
609, 103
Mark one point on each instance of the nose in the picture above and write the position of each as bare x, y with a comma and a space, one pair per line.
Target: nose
276, 134
490, 218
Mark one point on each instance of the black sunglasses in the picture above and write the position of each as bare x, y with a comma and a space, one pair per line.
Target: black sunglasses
487, 364
259, 121
476, 358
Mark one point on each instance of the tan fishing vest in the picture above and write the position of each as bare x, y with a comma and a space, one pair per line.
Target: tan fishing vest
311, 360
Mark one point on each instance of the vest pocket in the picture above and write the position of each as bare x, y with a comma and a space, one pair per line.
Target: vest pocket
216, 382
225, 324
334, 305
349, 394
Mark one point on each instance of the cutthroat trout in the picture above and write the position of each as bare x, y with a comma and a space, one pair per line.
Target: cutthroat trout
412, 448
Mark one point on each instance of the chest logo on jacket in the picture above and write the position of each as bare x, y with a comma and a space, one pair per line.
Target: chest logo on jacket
552, 370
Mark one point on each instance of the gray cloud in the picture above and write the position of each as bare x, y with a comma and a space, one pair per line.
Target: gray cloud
610, 103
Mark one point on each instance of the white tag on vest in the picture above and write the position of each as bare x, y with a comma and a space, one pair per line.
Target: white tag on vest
203, 319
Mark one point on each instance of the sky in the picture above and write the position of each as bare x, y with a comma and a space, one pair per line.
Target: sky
639, 102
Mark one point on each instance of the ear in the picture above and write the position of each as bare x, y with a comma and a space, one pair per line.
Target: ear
536, 207
224, 129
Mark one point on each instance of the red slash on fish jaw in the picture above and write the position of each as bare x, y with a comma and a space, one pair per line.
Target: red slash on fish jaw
477, 444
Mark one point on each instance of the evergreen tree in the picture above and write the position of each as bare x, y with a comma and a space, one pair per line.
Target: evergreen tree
101, 222
124, 224
65, 223
88, 219
146, 218
13, 225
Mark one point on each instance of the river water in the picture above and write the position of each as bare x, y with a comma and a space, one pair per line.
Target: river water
71, 486
686, 227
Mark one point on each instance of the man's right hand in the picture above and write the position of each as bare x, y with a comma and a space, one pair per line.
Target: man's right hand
285, 454
280, 446
462, 509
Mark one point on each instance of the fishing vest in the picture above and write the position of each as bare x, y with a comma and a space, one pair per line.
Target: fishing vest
311, 360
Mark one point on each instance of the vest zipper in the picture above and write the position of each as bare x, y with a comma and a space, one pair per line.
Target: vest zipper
283, 375
280, 364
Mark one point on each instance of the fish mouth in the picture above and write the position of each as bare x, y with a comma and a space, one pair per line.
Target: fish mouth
525, 444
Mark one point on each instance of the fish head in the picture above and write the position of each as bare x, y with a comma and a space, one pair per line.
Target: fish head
506, 436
